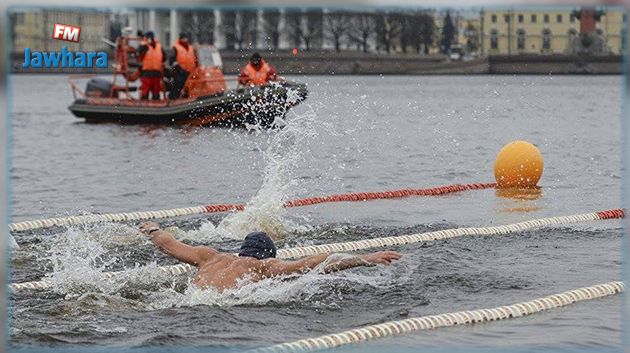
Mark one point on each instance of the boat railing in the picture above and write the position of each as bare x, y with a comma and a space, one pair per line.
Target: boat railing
76, 91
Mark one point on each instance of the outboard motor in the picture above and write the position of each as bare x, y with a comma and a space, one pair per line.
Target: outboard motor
97, 87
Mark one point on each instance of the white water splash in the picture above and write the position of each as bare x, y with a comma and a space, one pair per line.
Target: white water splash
81, 254
146, 288
315, 287
265, 211
78, 262
14, 244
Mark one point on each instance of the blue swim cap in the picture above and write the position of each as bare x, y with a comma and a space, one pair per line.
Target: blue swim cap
258, 245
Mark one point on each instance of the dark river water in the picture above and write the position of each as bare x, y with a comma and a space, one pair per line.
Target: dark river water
352, 134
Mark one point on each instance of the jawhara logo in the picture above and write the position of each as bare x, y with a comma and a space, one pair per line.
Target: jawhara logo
64, 59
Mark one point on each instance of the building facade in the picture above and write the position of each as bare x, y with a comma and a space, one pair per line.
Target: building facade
553, 31
485, 32
469, 34
209, 26
34, 29
165, 24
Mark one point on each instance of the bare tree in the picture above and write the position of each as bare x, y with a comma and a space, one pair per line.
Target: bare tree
251, 20
418, 30
388, 30
189, 24
312, 30
362, 29
246, 33
271, 26
405, 29
229, 28
240, 29
293, 19
205, 27
427, 31
337, 25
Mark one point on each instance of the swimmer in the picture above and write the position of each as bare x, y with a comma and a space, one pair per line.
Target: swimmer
255, 261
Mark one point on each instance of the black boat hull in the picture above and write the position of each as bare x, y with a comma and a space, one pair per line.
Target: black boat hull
256, 105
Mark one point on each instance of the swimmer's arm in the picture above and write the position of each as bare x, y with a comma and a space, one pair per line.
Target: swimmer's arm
278, 267
193, 255
371, 259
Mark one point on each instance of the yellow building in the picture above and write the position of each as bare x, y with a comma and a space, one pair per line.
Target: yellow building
552, 31
28, 30
33, 29
469, 34
612, 27
467, 30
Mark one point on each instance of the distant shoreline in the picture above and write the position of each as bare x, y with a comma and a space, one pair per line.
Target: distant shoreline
357, 63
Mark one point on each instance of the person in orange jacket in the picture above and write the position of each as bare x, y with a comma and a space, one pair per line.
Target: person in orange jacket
257, 72
183, 61
152, 57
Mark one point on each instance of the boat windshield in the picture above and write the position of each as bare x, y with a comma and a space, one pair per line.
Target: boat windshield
209, 56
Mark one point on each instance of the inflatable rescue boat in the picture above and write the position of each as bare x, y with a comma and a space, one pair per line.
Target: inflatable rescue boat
206, 99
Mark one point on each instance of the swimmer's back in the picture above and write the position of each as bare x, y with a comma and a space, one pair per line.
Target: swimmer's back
224, 271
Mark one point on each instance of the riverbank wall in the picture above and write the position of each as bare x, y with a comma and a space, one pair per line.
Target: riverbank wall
357, 63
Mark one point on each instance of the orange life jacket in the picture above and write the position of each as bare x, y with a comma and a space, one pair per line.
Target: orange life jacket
153, 58
185, 57
260, 76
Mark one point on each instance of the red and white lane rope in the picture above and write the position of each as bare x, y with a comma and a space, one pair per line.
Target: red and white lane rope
386, 241
392, 328
196, 210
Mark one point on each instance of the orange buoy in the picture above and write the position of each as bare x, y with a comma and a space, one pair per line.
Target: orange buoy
519, 164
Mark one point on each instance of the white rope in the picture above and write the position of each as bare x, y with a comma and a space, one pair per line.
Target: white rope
372, 243
392, 328
177, 212
108, 217
431, 236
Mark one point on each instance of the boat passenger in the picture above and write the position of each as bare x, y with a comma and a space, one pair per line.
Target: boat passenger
134, 46
257, 72
152, 57
255, 261
139, 40
183, 61
142, 40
